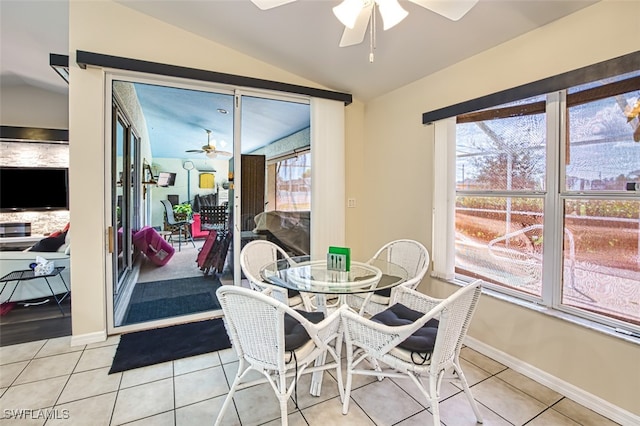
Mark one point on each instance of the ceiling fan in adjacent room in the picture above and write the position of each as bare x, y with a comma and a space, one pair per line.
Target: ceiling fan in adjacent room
210, 148
357, 14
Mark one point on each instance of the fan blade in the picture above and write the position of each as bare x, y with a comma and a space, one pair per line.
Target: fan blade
451, 9
355, 35
269, 4
223, 153
194, 150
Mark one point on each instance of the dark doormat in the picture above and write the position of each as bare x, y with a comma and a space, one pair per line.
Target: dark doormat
170, 307
149, 347
170, 298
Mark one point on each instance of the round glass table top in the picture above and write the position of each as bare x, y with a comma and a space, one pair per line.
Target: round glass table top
312, 276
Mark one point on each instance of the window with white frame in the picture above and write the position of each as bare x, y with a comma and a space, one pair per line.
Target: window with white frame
547, 203
293, 183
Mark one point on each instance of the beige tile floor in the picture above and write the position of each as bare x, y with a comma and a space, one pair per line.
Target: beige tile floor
71, 386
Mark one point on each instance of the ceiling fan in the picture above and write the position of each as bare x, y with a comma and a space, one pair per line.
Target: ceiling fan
356, 14
210, 149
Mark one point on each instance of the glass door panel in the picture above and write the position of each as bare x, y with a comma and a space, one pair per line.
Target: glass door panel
121, 259
177, 169
272, 179
180, 145
126, 172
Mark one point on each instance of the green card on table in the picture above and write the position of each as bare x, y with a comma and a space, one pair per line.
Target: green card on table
339, 258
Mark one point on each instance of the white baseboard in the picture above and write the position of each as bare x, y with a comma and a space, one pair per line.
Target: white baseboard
85, 339
578, 395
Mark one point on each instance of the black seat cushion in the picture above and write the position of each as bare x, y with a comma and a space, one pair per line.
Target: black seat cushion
384, 281
292, 293
49, 244
295, 334
423, 340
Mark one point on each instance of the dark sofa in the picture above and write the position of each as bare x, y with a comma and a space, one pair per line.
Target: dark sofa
290, 230
204, 200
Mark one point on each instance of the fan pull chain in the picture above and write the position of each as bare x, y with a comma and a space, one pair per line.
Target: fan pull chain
372, 32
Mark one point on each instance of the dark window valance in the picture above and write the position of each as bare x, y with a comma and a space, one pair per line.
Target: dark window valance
96, 59
538, 107
612, 67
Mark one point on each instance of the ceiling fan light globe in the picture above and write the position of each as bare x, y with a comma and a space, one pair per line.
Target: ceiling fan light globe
392, 13
211, 154
347, 12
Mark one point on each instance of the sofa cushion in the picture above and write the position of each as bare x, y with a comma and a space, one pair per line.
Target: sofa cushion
49, 244
66, 246
60, 231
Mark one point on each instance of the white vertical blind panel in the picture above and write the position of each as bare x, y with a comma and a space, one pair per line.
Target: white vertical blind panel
444, 193
327, 176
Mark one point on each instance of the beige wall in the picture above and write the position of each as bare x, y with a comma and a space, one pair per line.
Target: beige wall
28, 106
388, 165
399, 144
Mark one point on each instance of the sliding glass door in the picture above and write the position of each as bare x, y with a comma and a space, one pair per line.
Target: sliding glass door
182, 150
125, 198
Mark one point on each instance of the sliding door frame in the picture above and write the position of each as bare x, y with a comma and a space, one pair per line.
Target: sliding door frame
332, 143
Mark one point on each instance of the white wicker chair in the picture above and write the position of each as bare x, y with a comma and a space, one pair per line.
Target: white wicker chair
412, 256
373, 341
255, 322
259, 253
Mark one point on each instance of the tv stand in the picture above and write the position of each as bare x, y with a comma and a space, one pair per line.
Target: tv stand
15, 229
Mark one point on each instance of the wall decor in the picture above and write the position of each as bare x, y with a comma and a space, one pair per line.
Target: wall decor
207, 180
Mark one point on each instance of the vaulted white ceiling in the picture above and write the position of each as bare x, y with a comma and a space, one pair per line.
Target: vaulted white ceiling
301, 37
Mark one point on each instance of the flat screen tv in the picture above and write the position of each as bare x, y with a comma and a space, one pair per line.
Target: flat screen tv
34, 188
166, 179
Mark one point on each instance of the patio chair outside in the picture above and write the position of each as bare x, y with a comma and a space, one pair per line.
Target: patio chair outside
183, 227
369, 340
214, 218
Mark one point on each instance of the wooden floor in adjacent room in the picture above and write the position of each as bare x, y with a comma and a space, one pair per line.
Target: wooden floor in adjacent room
35, 322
